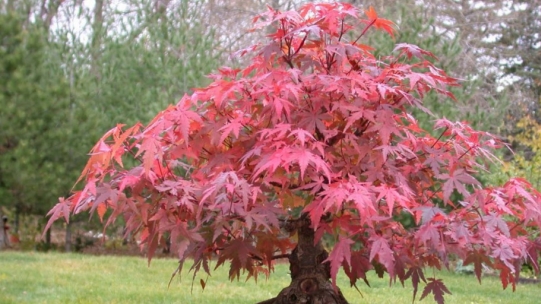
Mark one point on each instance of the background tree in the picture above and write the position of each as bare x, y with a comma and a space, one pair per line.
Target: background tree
33, 93
70, 70
314, 138
501, 37
519, 43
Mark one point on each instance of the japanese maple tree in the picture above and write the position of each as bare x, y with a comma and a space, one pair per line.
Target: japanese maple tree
314, 139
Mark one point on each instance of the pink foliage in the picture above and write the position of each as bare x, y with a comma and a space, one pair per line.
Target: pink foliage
316, 124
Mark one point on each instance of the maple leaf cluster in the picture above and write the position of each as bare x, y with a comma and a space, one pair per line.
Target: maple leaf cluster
314, 125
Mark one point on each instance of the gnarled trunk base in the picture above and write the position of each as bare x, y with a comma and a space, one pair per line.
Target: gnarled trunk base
310, 282
309, 289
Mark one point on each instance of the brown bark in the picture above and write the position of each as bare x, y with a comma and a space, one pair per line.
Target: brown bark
161, 6
3, 234
310, 282
97, 32
17, 220
67, 246
51, 12
48, 238
10, 5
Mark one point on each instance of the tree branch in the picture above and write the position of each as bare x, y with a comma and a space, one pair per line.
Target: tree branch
281, 256
333, 140
290, 187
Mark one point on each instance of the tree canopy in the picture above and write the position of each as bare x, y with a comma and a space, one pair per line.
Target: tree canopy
316, 137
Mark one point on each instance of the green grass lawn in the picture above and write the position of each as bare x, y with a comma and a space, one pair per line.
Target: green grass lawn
28, 277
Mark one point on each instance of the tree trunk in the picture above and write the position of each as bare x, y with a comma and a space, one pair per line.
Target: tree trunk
49, 14
48, 239
17, 220
310, 277
68, 237
2, 232
10, 7
97, 33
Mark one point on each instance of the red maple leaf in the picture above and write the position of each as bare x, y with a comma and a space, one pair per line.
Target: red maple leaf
413, 50
437, 288
477, 258
340, 254
416, 274
381, 249
379, 22
457, 179
358, 268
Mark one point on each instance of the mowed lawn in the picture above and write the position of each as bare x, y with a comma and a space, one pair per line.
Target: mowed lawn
29, 277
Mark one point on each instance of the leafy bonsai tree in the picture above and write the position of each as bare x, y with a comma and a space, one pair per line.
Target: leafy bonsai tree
314, 140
